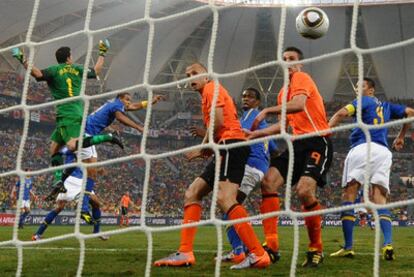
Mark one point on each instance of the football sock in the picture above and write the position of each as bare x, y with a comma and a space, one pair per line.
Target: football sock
90, 183
314, 227
245, 230
386, 226
270, 203
122, 220
22, 218
234, 239
97, 139
192, 213
48, 219
348, 222
126, 220
96, 214
57, 160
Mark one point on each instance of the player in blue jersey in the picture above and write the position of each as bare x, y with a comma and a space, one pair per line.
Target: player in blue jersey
374, 112
96, 123
73, 185
27, 193
256, 167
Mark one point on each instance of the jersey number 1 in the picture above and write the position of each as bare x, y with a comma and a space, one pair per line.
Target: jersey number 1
69, 83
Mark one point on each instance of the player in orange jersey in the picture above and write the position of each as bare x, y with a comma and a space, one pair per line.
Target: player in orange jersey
312, 156
227, 130
125, 203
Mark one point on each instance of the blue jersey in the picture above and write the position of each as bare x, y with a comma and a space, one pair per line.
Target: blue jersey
103, 117
374, 112
259, 152
28, 184
70, 158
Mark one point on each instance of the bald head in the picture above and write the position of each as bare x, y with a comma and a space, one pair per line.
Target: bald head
197, 69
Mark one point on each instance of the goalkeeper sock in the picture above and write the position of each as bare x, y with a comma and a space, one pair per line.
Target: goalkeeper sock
386, 225
48, 219
97, 139
96, 215
314, 227
348, 223
57, 160
234, 239
270, 203
90, 183
245, 230
192, 213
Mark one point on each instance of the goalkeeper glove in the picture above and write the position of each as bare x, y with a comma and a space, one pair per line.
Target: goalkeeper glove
17, 53
104, 46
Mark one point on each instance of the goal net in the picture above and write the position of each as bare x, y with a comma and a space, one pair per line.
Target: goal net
148, 24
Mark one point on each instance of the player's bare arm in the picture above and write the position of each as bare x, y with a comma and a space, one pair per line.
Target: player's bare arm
339, 116
295, 105
271, 130
127, 121
398, 143
143, 104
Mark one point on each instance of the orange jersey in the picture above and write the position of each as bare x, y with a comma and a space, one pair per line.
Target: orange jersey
231, 128
313, 118
125, 201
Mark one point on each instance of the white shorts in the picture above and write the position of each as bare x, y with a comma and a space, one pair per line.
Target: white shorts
73, 188
252, 177
26, 204
380, 165
88, 152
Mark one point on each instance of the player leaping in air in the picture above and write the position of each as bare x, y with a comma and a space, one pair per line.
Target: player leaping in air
64, 81
227, 130
96, 123
312, 156
374, 112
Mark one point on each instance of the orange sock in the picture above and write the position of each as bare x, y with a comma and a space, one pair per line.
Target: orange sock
127, 221
245, 230
313, 224
270, 203
192, 213
122, 220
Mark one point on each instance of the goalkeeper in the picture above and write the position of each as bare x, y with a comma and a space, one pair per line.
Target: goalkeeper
64, 81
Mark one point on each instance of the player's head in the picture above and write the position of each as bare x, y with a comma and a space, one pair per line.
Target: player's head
250, 98
291, 54
125, 98
197, 69
368, 87
63, 55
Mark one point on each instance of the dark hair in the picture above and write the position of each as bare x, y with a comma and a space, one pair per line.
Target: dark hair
62, 54
294, 49
370, 82
122, 94
256, 92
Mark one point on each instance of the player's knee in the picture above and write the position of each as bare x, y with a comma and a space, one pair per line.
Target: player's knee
269, 184
92, 172
190, 195
304, 192
71, 144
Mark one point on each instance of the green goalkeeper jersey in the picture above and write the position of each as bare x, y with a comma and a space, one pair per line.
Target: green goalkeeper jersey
65, 80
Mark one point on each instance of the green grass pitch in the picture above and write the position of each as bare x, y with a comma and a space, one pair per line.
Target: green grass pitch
125, 254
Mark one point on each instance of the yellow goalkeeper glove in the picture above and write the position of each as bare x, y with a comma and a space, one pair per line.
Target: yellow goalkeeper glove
18, 54
104, 46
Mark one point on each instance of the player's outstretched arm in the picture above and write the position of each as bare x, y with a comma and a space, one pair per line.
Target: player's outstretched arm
18, 54
295, 105
398, 143
339, 116
104, 46
128, 122
268, 131
143, 104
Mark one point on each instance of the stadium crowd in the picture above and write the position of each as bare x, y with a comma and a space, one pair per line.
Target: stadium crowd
169, 176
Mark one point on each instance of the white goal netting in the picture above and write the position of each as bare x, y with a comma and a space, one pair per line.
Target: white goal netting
147, 157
